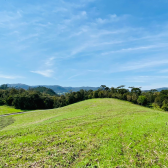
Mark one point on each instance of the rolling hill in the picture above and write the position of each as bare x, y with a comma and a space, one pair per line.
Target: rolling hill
92, 133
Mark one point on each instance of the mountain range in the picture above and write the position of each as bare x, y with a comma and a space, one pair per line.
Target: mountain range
61, 90
56, 88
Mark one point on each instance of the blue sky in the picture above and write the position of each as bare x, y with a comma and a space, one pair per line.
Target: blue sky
84, 42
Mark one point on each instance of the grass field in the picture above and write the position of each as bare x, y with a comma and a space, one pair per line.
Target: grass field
97, 133
9, 110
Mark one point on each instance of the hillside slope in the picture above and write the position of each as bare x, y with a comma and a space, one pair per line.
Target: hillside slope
92, 133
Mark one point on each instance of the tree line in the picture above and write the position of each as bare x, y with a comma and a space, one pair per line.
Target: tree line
41, 98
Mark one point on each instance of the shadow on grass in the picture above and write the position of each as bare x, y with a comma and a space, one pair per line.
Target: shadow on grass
5, 121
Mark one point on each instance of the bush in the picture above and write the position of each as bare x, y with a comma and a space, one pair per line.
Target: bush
165, 105
129, 97
159, 101
2, 102
142, 100
134, 98
9, 100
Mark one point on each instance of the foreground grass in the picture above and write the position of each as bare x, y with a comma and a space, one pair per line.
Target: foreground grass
92, 133
9, 110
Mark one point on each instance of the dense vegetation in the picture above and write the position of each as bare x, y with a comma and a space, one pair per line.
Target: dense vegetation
96, 133
44, 98
39, 98
44, 90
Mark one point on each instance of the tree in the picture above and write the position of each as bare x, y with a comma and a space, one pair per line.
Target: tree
165, 105
136, 91
107, 88
153, 90
159, 100
164, 92
95, 94
142, 100
2, 102
129, 97
134, 98
122, 91
121, 86
101, 94
113, 90
4, 87
103, 86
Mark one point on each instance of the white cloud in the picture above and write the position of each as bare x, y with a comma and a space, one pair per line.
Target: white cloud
107, 20
73, 30
142, 64
75, 18
144, 79
50, 62
164, 71
137, 48
10, 77
83, 13
28, 37
60, 10
46, 73
7, 17
101, 32
80, 32
79, 49
79, 74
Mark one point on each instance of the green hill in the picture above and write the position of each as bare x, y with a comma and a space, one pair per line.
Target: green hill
93, 133
45, 90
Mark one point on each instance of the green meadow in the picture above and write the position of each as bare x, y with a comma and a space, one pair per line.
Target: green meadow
8, 110
96, 133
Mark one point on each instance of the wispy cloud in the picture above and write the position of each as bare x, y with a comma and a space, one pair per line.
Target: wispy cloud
46, 69
10, 76
144, 79
50, 38
50, 62
141, 48
164, 71
110, 18
46, 73
141, 65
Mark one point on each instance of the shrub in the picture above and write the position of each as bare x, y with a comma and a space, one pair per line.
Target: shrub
142, 100
129, 97
165, 105
134, 98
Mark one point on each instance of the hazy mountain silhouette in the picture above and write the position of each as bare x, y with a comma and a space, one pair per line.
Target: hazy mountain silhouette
56, 88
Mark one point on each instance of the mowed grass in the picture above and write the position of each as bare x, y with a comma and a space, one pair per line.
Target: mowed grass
9, 110
97, 133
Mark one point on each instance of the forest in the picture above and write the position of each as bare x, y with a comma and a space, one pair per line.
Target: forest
44, 98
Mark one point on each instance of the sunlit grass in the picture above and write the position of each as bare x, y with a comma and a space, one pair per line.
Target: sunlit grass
9, 110
92, 133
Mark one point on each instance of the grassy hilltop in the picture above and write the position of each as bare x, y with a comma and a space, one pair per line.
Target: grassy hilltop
92, 133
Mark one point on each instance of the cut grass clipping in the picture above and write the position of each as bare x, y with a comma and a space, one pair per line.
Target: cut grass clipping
93, 133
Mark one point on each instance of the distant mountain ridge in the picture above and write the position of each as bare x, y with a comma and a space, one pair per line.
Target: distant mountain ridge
163, 88
56, 88
60, 89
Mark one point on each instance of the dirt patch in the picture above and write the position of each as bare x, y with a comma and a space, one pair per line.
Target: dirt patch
5, 121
